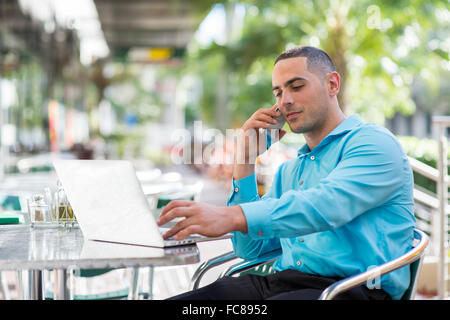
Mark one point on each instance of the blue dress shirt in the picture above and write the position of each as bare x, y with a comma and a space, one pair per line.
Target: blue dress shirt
337, 210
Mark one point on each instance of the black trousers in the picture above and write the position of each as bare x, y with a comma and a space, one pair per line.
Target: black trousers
283, 285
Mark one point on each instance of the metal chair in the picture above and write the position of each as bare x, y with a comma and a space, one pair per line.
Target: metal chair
413, 258
129, 290
9, 202
4, 286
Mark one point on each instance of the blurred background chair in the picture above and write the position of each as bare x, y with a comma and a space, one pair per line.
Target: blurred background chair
89, 284
263, 265
11, 205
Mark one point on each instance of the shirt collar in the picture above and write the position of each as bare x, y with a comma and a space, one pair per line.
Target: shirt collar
347, 125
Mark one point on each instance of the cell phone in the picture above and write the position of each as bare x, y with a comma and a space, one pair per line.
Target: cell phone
280, 121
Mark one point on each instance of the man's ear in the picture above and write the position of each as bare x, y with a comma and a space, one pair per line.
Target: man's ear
333, 83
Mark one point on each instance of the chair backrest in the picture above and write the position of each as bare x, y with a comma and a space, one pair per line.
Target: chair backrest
415, 267
413, 258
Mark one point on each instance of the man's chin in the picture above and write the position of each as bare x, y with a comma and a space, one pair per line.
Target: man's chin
300, 128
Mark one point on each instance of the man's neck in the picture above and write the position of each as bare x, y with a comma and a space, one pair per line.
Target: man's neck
314, 137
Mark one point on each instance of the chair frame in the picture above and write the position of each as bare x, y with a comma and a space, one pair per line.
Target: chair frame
4, 286
415, 255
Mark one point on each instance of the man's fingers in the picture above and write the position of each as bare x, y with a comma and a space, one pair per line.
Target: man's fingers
262, 118
174, 204
260, 124
174, 213
177, 228
270, 112
265, 118
187, 232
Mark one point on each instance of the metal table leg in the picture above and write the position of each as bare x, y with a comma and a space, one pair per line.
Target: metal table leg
151, 272
134, 287
20, 286
35, 286
4, 286
61, 287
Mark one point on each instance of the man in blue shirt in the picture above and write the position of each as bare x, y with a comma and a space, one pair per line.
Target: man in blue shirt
341, 207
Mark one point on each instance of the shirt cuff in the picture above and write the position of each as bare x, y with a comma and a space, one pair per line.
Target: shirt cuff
243, 190
259, 221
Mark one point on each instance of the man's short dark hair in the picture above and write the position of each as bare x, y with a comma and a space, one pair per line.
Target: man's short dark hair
317, 61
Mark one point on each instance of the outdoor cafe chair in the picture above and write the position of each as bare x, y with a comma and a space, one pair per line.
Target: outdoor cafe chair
263, 265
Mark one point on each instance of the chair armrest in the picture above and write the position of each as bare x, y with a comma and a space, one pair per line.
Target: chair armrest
207, 265
236, 268
249, 264
346, 284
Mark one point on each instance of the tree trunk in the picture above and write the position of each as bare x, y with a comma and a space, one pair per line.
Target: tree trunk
337, 47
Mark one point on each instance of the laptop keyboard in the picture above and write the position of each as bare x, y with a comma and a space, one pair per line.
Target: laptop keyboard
164, 229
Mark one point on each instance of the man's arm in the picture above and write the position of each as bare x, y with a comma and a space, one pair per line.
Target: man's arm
214, 221
249, 146
245, 191
201, 218
370, 173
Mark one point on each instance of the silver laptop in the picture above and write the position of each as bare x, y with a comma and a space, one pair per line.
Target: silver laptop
110, 205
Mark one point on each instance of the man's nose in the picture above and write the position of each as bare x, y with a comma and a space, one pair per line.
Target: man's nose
286, 98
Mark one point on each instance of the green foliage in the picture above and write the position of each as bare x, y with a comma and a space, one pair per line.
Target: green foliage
426, 151
128, 94
381, 49
125, 140
30, 108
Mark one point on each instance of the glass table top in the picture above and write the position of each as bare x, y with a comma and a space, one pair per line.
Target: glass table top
57, 247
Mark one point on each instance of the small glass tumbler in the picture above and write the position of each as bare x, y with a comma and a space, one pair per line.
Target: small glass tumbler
38, 211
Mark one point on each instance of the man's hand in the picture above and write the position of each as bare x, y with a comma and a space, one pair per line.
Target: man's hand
201, 218
244, 164
262, 118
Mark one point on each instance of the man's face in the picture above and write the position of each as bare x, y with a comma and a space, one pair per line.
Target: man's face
300, 95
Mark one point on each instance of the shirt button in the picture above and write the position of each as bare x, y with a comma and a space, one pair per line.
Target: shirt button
260, 233
236, 189
312, 158
299, 262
